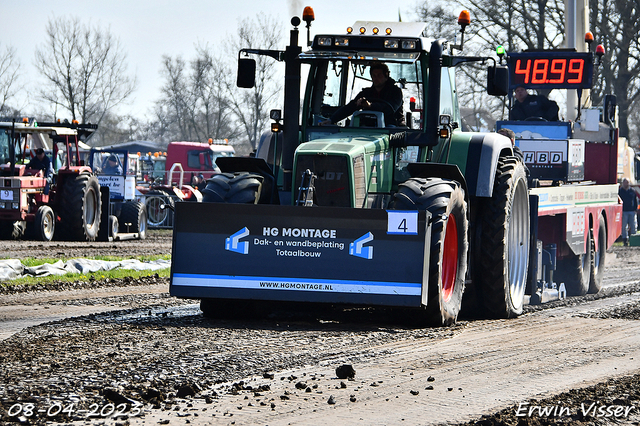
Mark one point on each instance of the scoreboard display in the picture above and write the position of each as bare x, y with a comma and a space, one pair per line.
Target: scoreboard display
551, 69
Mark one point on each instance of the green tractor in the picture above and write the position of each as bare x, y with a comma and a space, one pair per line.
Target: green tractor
363, 197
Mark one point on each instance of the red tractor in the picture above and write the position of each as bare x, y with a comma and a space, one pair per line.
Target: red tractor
187, 166
39, 203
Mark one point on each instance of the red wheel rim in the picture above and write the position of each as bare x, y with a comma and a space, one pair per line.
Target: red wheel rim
449, 259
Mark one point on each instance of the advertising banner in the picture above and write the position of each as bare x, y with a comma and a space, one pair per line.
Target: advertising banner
315, 254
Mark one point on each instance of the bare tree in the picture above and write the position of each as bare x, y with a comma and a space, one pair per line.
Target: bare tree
194, 104
617, 28
9, 77
252, 106
85, 69
173, 108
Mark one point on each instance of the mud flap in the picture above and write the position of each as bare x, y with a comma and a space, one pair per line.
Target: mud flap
287, 253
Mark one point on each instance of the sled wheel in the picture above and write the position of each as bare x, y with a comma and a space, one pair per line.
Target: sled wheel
599, 250
575, 271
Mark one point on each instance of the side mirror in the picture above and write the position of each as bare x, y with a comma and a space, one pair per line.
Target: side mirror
498, 81
246, 73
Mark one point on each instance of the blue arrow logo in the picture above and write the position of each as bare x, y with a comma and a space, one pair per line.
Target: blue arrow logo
233, 242
357, 248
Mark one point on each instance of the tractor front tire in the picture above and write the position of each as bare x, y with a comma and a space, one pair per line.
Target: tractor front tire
503, 256
133, 218
234, 188
445, 200
80, 208
45, 223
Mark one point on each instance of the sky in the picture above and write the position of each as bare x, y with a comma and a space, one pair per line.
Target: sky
147, 30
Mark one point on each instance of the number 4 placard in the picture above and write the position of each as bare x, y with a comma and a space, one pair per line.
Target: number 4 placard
402, 222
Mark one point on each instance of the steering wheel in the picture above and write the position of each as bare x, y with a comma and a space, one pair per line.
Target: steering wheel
535, 119
386, 105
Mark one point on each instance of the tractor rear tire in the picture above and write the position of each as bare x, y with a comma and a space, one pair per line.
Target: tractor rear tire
445, 200
45, 223
133, 218
12, 230
503, 256
156, 216
80, 208
234, 188
599, 250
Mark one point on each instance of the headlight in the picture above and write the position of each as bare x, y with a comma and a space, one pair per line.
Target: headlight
15, 205
325, 41
409, 44
342, 41
391, 44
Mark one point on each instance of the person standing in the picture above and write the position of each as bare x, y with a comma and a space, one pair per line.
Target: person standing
629, 199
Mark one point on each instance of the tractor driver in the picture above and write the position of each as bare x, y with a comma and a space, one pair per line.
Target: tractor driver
112, 167
42, 162
383, 95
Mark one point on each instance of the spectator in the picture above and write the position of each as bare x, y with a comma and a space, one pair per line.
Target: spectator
629, 199
512, 136
533, 106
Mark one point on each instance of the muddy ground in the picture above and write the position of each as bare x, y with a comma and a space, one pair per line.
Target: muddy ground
157, 354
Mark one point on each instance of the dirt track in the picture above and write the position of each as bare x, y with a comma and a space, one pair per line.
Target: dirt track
159, 351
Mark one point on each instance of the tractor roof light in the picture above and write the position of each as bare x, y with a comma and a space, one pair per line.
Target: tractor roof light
588, 38
599, 52
363, 30
464, 19
375, 30
210, 141
308, 15
349, 30
388, 31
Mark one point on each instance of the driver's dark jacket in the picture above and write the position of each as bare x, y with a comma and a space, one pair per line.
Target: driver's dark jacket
44, 165
390, 93
535, 106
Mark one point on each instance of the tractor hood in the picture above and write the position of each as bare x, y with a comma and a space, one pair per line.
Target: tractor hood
345, 166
